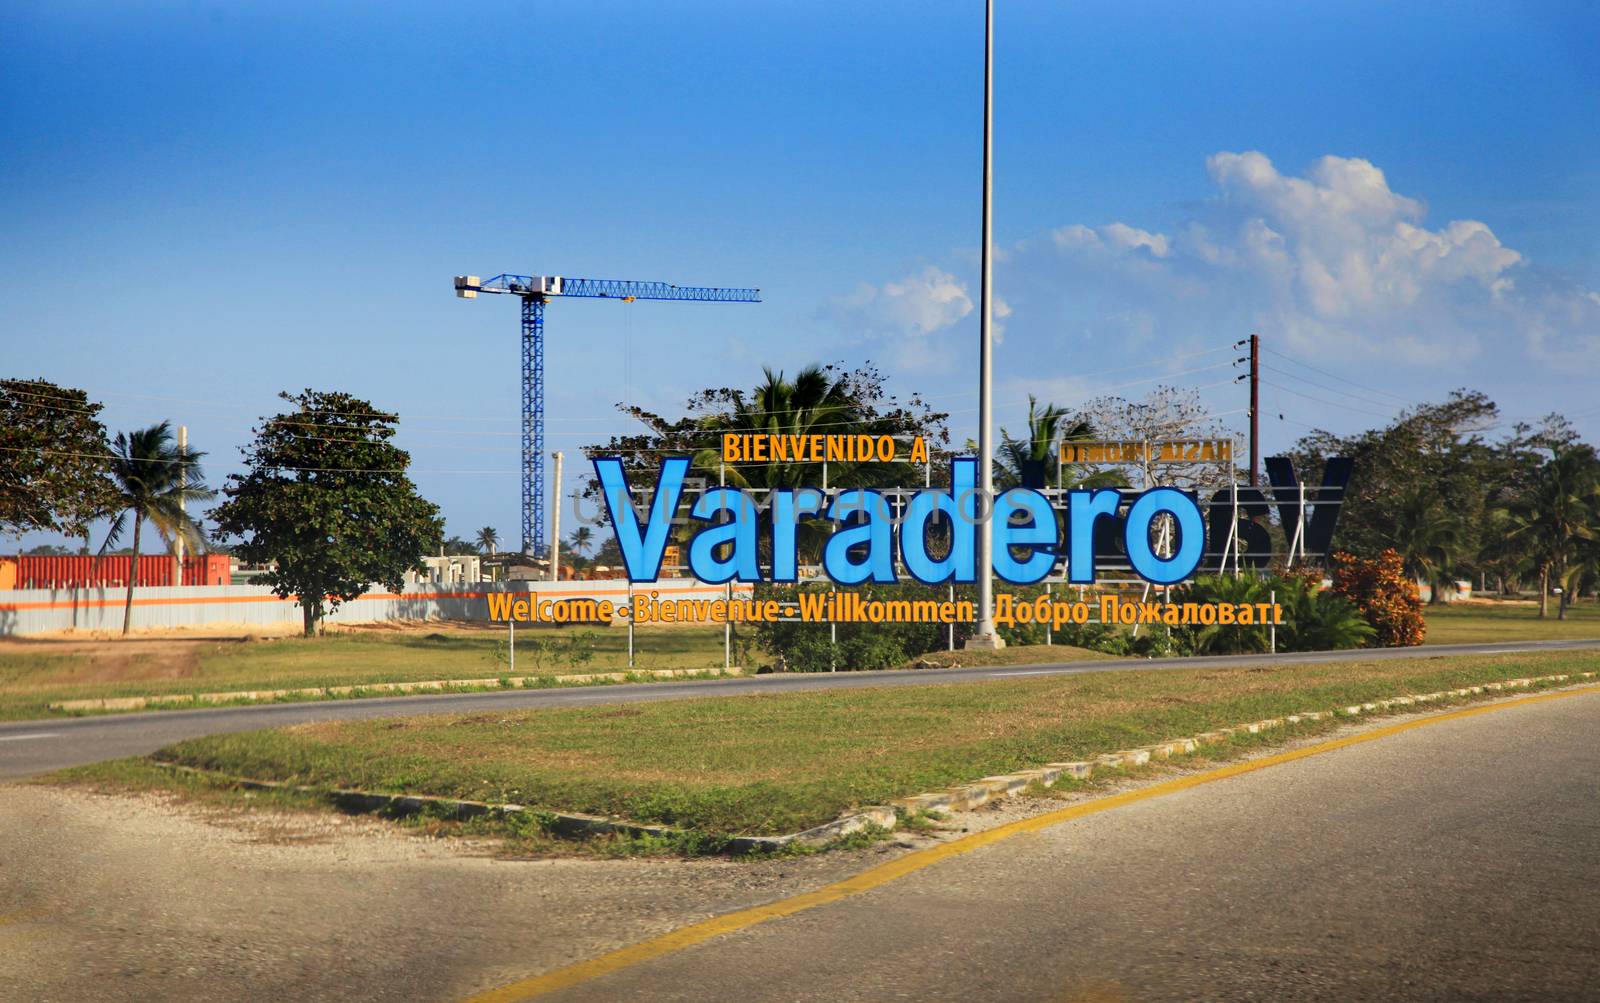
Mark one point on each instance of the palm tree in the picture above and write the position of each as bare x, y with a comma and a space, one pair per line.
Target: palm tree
1036, 460
812, 403
1428, 536
152, 479
1498, 554
488, 539
1556, 517
581, 541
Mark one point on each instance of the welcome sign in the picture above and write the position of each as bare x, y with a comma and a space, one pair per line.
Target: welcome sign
877, 532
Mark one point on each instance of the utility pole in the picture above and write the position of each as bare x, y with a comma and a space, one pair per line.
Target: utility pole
1254, 358
984, 635
555, 524
1255, 410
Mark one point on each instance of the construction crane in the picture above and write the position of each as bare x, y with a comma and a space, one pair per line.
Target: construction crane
536, 291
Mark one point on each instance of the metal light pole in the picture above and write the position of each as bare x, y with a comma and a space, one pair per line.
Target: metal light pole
984, 636
555, 524
178, 554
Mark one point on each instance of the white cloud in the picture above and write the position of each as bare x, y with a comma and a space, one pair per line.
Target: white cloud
1335, 261
1348, 245
1331, 263
1131, 237
1115, 237
917, 305
1002, 310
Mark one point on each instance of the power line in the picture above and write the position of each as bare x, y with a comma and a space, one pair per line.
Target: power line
235, 408
1341, 379
1329, 403
1324, 386
850, 423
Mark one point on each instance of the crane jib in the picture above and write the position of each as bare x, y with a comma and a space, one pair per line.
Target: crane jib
535, 291
468, 286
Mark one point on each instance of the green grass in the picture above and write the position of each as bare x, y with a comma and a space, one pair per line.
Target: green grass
1474, 623
770, 764
35, 674
32, 675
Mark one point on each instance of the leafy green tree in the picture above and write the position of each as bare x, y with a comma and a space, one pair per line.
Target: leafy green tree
1438, 448
1428, 536
609, 554
53, 459
153, 480
1499, 555
1555, 516
326, 501
488, 539
1583, 573
48, 550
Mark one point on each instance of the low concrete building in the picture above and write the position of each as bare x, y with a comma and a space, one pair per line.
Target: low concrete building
454, 569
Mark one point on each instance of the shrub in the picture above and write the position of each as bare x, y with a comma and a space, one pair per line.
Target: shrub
1316, 619
1227, 639
1385, 595
807, 647
1313, 619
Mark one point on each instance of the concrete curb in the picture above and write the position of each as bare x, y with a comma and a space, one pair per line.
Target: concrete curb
494, 683
964, 797
969, 796
561, 823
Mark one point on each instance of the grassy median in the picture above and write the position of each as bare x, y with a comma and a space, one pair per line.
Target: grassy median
35, 674
774, 764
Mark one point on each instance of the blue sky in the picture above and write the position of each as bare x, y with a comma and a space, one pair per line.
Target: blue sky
208, 203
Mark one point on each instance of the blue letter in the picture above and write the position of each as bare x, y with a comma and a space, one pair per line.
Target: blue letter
641, 553
1039, 529
787, 507
1191, 536
1083, 509
740, 532
963, 527
876, 532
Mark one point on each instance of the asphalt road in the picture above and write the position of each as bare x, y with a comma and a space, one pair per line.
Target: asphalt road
1457, 861
29, 748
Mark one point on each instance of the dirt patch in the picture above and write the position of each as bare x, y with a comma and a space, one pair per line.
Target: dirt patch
392, 627
171, 662
130, 660
220, 630
1032, 654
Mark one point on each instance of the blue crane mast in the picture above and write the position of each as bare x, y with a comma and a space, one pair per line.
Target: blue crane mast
535, 291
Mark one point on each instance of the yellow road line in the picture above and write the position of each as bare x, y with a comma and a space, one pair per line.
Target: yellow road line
882, 874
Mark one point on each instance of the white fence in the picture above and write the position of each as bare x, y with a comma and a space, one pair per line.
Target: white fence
38, 611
